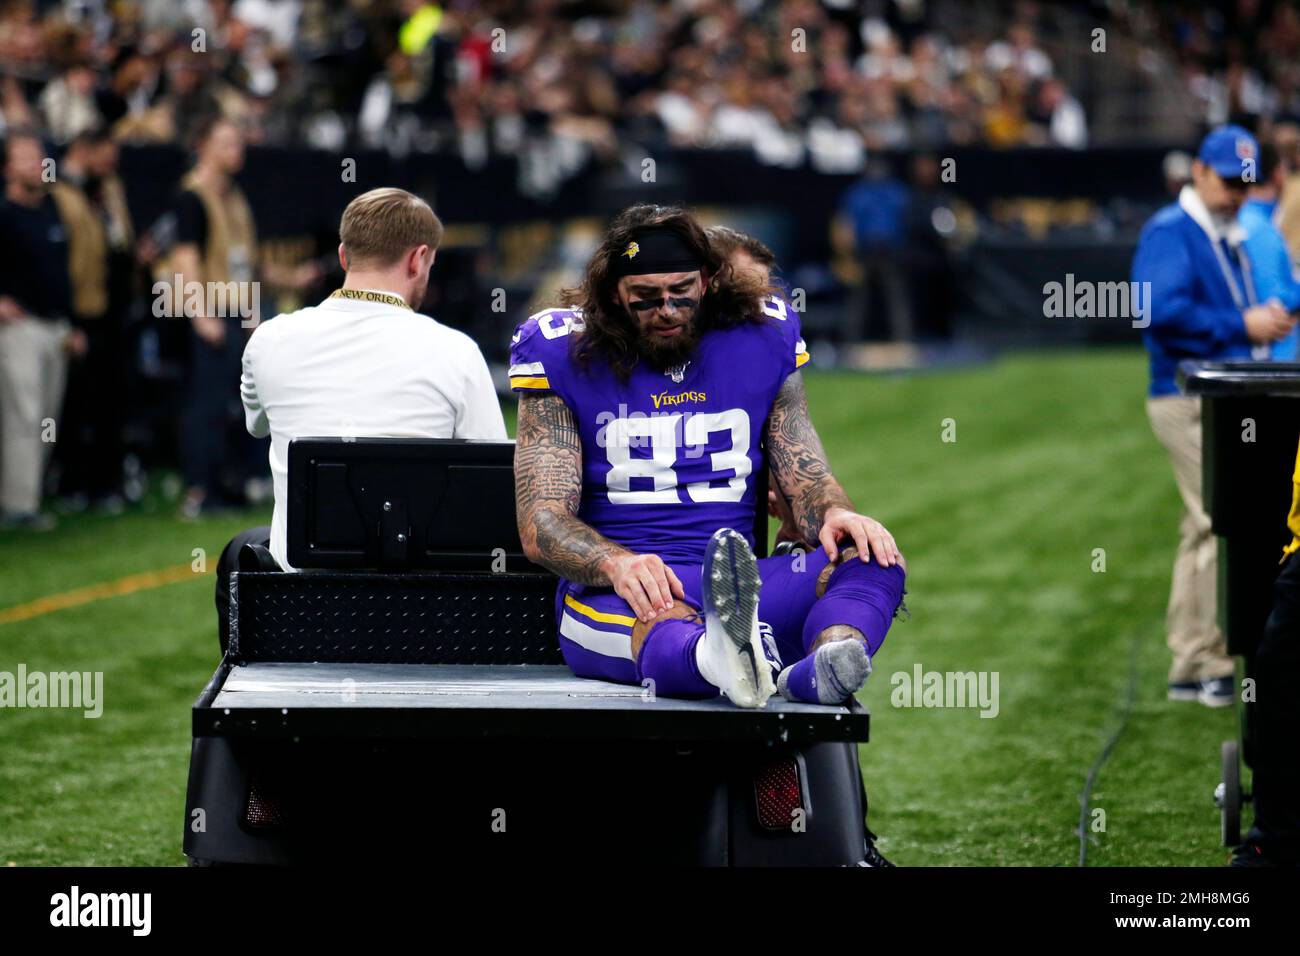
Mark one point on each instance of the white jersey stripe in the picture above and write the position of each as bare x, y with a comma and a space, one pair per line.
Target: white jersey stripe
608, 643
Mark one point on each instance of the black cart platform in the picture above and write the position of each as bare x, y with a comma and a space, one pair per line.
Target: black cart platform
412, 705
523, 702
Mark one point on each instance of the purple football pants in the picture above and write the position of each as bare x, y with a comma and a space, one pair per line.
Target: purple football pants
595, 624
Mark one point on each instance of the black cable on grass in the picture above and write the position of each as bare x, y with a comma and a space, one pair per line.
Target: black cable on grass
1086, 794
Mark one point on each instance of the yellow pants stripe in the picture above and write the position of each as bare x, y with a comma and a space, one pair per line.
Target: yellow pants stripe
604, 617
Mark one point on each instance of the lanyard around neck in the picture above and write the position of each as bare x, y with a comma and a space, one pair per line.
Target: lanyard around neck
1237, 298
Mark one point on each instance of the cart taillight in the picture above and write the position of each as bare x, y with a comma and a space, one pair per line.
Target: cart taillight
778, 794
263, 810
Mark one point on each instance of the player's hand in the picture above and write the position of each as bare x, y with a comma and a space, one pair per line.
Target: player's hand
210, 329
1268, 322
645, 582
868, 534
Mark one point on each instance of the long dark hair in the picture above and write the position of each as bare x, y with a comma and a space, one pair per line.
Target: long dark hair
730, 299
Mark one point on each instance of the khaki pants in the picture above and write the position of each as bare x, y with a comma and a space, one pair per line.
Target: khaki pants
33, 372
1199, 649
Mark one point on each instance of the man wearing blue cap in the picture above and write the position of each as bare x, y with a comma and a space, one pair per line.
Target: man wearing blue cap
1203, 305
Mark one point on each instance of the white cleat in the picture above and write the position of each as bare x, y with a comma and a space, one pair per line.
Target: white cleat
730, 654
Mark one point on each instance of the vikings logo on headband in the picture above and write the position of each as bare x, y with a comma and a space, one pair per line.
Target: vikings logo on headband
656, 250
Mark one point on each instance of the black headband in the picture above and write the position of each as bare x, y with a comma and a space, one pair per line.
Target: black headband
655, 250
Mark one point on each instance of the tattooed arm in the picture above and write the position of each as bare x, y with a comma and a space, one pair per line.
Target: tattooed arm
548, 488
821, 508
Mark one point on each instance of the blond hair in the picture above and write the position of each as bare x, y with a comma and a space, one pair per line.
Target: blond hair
382, 225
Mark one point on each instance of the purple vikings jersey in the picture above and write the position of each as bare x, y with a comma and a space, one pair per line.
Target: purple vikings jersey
669, 457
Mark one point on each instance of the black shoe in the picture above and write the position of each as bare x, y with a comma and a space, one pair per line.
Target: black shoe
1251, 853
1217, 692
873, 857
1185, 690
37, 521
111, 505
73, 504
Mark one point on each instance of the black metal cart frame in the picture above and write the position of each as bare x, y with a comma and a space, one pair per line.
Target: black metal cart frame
1250, 424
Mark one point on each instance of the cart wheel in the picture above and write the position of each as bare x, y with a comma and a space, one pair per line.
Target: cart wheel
1227, 796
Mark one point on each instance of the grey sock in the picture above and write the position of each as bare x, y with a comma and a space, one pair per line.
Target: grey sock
842, 668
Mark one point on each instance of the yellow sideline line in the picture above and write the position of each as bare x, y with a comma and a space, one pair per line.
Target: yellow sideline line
96, 592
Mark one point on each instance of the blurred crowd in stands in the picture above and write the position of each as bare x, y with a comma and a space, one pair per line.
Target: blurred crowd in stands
827, 80
793, 79
787, 77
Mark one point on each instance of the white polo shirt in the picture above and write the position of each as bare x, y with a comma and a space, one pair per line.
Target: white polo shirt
350, 367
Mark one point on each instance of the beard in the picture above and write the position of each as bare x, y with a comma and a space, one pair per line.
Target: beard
1222, 219
665, 353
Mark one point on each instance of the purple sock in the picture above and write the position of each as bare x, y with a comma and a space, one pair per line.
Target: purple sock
668, 658
801, 680
861, 595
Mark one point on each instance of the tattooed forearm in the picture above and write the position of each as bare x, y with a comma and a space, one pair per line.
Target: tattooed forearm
571, 548
548, 488
798, 460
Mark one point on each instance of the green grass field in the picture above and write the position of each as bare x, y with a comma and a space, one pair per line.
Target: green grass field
1053, 459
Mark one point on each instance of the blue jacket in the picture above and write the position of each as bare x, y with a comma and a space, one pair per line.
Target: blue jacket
1191, 309
1270, 263
878, 211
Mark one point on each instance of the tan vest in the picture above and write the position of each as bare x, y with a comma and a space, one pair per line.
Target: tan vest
87, 251
89, 242
231, 250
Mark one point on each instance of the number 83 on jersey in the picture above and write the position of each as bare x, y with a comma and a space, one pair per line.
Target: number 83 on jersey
678, 446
